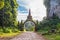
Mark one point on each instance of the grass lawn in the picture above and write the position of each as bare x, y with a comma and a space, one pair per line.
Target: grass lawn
52, 37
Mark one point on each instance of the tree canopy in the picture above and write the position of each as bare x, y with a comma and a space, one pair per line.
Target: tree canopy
8, 11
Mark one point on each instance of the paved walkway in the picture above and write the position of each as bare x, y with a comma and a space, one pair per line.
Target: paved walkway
28, 36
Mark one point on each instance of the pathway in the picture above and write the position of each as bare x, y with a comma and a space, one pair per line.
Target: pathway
28, 36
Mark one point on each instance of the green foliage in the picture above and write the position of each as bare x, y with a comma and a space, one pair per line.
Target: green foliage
58, 25
1, 30
52, 37
37, 25
57, 38
1, 4
49, 24
30, 29
21, 26
8, 13
9, 30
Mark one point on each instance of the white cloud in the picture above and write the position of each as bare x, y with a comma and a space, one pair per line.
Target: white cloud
38, 10
21, 16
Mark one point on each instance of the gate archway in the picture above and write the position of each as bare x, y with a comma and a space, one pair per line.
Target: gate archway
29, 26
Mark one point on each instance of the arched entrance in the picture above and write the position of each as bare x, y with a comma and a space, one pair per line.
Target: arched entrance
29, 26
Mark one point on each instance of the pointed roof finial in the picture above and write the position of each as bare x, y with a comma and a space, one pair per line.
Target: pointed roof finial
29, 12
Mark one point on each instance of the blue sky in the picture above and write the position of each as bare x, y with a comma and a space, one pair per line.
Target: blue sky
38, 10
22, 9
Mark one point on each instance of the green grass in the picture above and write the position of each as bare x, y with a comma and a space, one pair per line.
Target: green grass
10, 35
9, 32
52, 37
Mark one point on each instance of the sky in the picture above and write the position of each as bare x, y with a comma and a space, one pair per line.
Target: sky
38, 10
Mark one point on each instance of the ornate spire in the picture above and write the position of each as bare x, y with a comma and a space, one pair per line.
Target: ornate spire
29, 12
29, 17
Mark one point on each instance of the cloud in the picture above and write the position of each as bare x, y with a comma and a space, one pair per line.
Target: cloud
21, 16
38, 10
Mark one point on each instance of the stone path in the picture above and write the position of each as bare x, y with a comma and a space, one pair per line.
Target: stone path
28, 36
